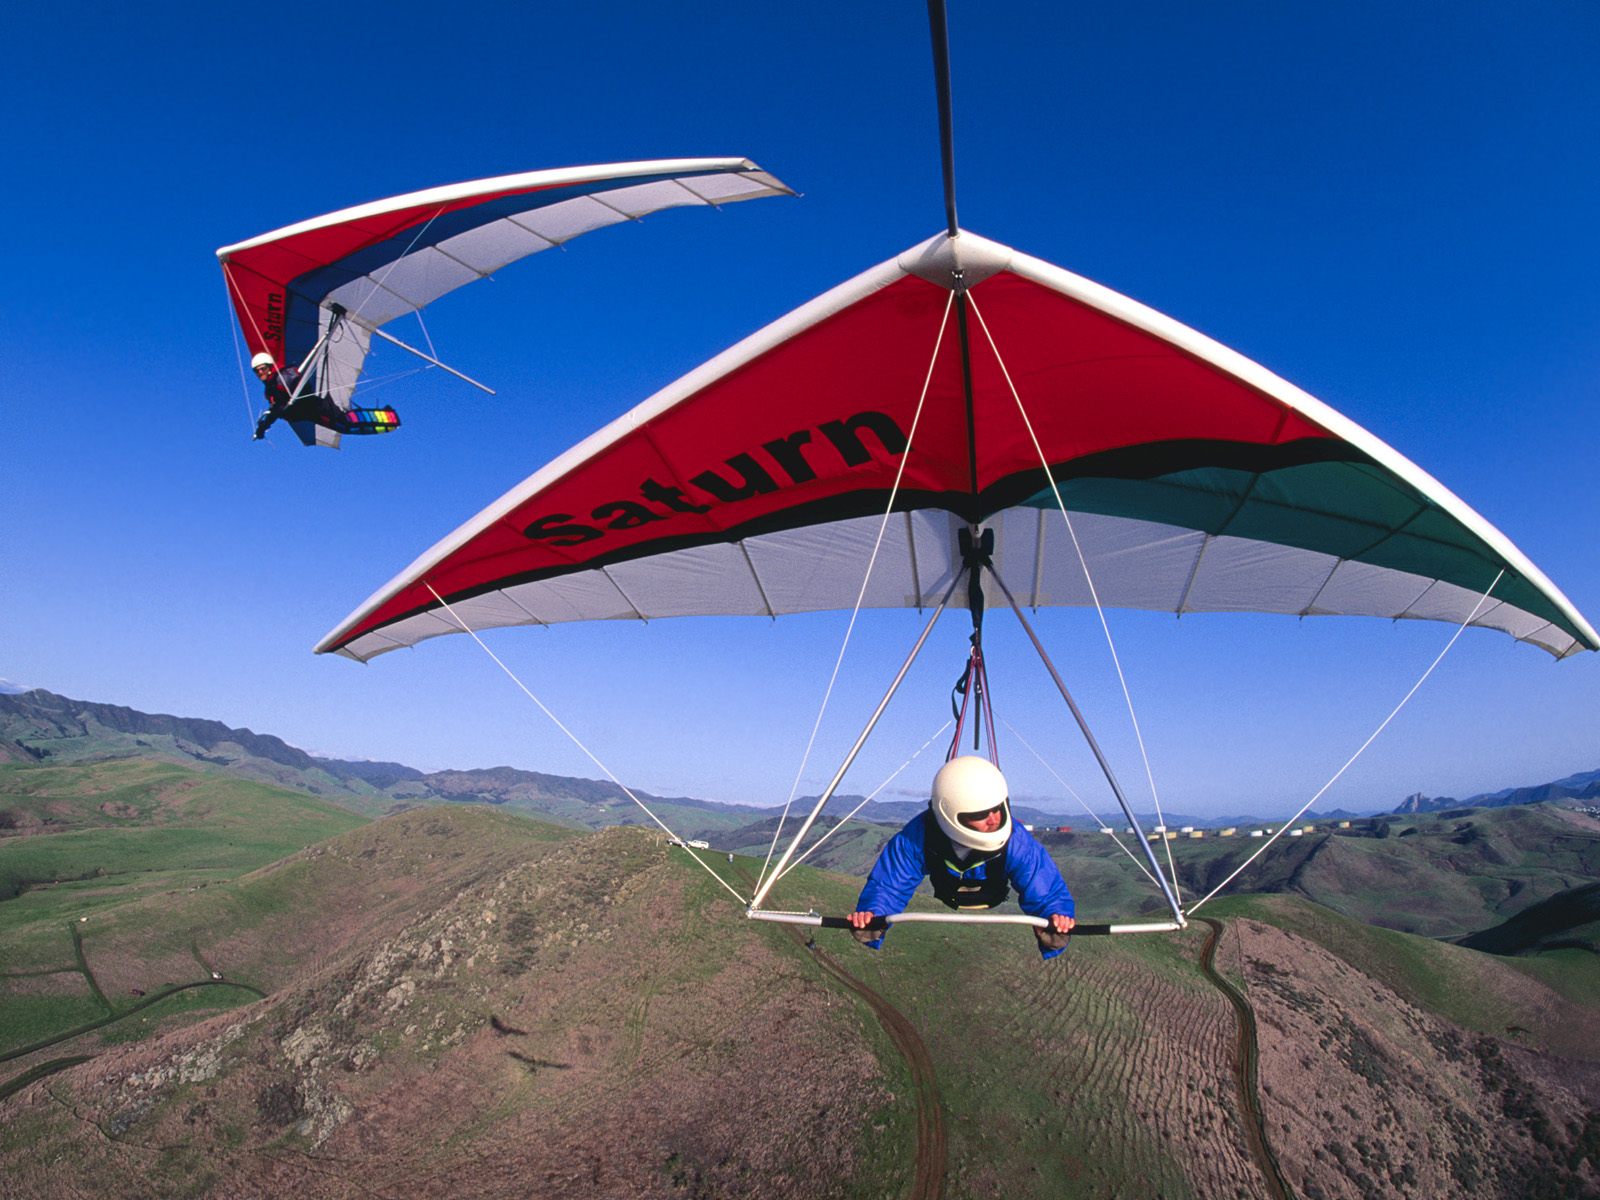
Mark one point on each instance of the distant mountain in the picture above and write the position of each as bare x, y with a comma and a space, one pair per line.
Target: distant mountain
41, 726
1583, 786
7, 688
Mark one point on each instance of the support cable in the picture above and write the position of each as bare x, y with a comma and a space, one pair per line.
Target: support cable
966, 689
372, 383
238, 302
974, 690
1167, 890
423, 325
238, 353
324, 385
988, 711
1300, 812
893, 775
378, 284
1082, 803
861, 740
512, 675
1094, 594
861, 595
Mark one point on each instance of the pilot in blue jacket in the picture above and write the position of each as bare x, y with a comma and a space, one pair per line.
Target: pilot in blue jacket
973, 853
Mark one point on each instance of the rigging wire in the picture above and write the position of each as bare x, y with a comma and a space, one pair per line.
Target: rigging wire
327, 386
1094, 816
627, 791
241, 306
1300, 812
426, 336
893, 775
974, 690
371, 383
1094, 593
860, 595
238, 353
377, 284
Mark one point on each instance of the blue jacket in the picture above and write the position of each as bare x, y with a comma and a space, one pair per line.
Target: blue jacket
901, 867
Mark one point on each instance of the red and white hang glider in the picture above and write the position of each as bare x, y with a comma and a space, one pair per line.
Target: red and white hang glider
1196, 479
314, 294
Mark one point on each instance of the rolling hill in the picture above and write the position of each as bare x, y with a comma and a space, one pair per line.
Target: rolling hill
457, 1001
39, 726
1439, 875
216, 983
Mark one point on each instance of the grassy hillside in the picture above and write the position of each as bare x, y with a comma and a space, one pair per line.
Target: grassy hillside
852, 850
1481, 992
457, 1001
463, 1000
71, 834
86, 847
1457, 872
1569, 920
1481, 867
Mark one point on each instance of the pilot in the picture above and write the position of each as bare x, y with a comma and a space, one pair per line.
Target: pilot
973, 853
280, 384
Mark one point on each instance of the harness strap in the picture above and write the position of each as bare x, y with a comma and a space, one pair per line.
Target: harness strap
954, 883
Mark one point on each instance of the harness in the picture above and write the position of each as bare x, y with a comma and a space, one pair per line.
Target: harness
981, 883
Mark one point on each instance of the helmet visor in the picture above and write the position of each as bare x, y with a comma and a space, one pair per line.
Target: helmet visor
979, 820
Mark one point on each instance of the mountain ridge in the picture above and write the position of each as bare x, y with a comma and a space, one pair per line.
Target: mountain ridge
38, 725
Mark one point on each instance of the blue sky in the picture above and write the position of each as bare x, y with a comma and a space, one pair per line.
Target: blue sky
1392, 206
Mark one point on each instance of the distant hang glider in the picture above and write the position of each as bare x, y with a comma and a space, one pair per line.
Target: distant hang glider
1197, 480
313, 295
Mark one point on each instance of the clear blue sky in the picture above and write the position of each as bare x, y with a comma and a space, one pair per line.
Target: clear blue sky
1393, 206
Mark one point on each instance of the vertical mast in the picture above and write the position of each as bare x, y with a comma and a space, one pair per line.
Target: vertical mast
941, 83
939, 32
976, 553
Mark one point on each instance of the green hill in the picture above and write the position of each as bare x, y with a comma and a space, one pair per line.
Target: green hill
1439, 875
457, 1001
72, 832
1569, 920
83, 847
41, 727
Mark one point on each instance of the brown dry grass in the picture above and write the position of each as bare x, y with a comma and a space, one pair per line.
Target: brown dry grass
56, 983
1368, 1095
559, 1025
462, 1011
1164, 1048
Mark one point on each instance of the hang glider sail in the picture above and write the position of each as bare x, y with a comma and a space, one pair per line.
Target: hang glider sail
315, 294
1198, 480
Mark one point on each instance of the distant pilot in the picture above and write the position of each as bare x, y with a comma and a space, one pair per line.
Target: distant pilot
280, 384
973, 853
315, 418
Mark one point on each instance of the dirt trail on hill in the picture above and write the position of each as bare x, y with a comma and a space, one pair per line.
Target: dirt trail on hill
932, 1145
928, 1182
1245, 1068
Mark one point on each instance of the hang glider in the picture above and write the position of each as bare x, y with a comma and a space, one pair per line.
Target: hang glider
315, 294
1197, 480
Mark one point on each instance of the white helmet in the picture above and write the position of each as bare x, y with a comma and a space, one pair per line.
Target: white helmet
262, 360
970, 787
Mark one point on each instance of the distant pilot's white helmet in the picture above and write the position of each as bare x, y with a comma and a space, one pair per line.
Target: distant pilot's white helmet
262, 360
968, 789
